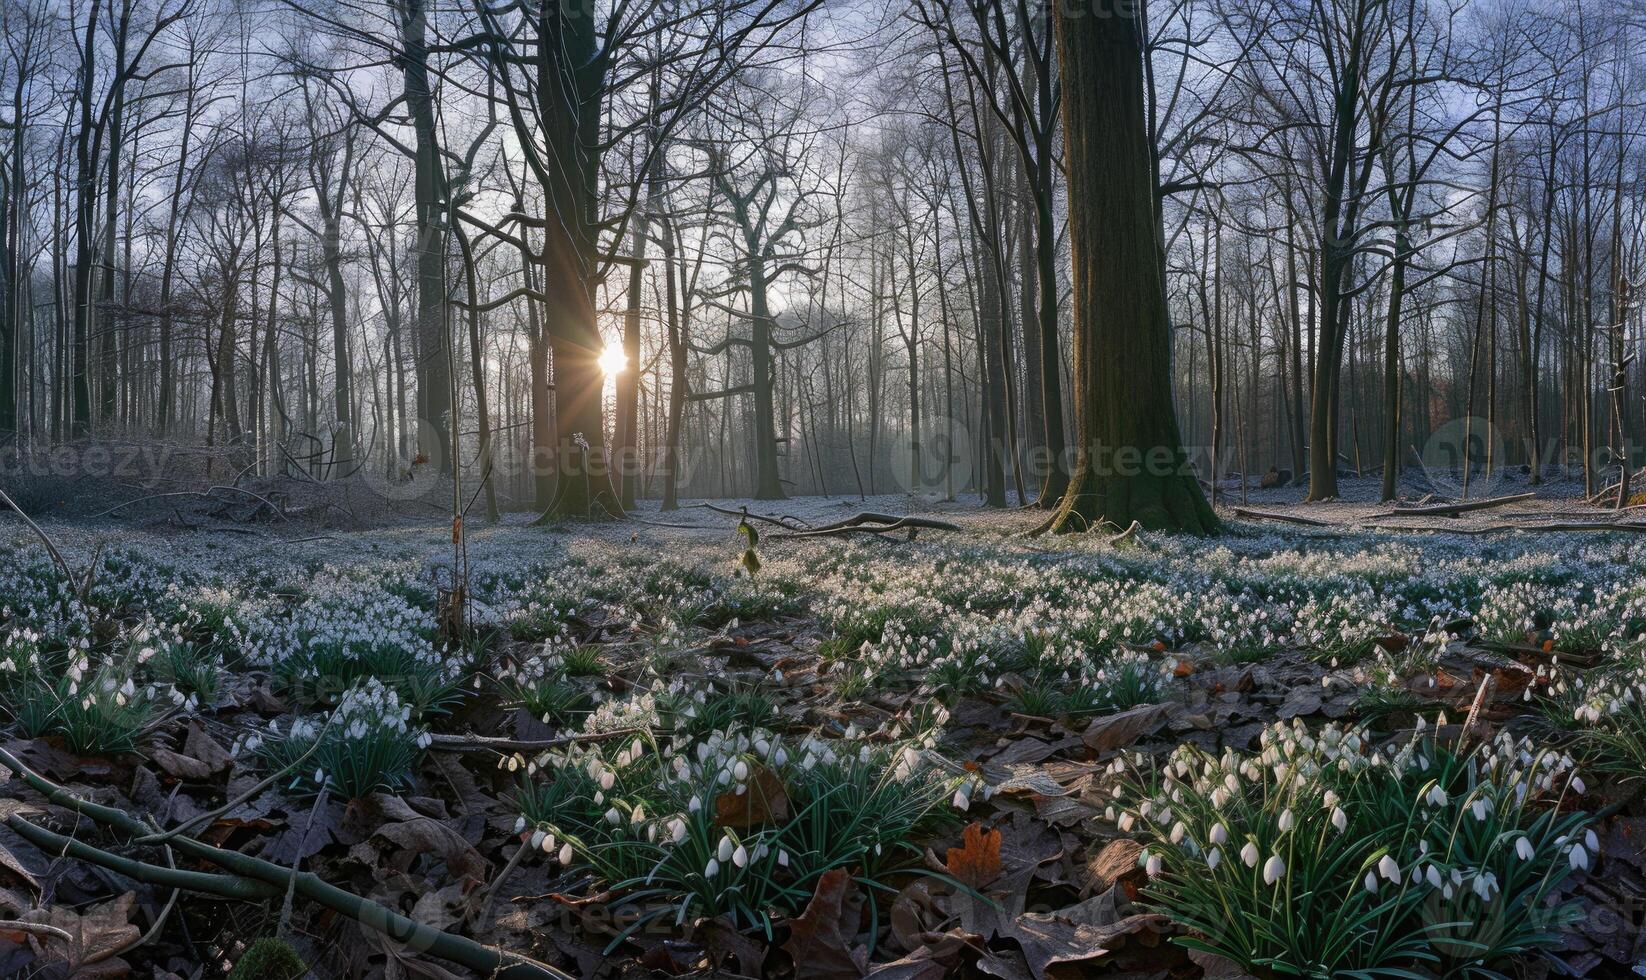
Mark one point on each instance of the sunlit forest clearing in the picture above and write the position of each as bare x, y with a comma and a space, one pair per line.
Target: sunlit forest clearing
821, 490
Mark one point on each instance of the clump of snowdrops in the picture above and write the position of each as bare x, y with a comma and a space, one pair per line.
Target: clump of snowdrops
366, 744
1322, 856
739, 823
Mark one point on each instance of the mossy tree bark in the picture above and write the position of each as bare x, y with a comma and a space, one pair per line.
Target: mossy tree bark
1130, 464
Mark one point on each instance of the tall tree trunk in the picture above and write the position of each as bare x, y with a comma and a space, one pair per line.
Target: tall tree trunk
1130, 463
85, 208
433, 366
570, 81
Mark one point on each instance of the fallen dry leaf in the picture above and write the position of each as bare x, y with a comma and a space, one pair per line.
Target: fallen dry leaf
1062, 945
180, 766
977, 861
721, 940
940, 957
820, 940
1118, 731
97, 935
199, 745
425, 835
762, 801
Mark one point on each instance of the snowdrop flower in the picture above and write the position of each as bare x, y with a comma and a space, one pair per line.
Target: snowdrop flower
1370, 883
1249, 854
1340, 820
961, 800
1579, 858
1287, 821
1273, 870
1389, 868
1213, 859
1153, 865
726, 848
1523, 848
740, 857
1219, 834
712, 868
566, 853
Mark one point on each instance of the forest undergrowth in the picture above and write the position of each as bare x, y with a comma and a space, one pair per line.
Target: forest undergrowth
652, 752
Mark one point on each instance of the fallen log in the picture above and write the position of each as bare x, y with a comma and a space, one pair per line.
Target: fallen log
1462, 506
1573, 526
1265, 515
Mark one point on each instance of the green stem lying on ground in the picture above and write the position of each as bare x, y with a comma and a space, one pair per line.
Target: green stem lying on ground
247, 872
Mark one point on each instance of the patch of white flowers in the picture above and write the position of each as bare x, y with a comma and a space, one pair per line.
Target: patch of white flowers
1318, 820
367, 743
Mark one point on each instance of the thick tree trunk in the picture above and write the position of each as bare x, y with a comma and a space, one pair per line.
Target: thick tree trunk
1056, 478
85, 206
570, 79
1130, 464
768, 480
433, 368
331, 201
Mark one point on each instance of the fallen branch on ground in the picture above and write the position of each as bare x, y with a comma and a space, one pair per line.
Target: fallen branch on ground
479, 743
869, 522
1601, 526
254, 875
36, 928
56, 556
193, 493
1288, 518
1462, 506
784, 521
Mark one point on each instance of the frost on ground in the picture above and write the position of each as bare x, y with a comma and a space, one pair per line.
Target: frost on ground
968, 753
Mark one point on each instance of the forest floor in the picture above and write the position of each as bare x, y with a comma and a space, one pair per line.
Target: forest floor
897, 756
